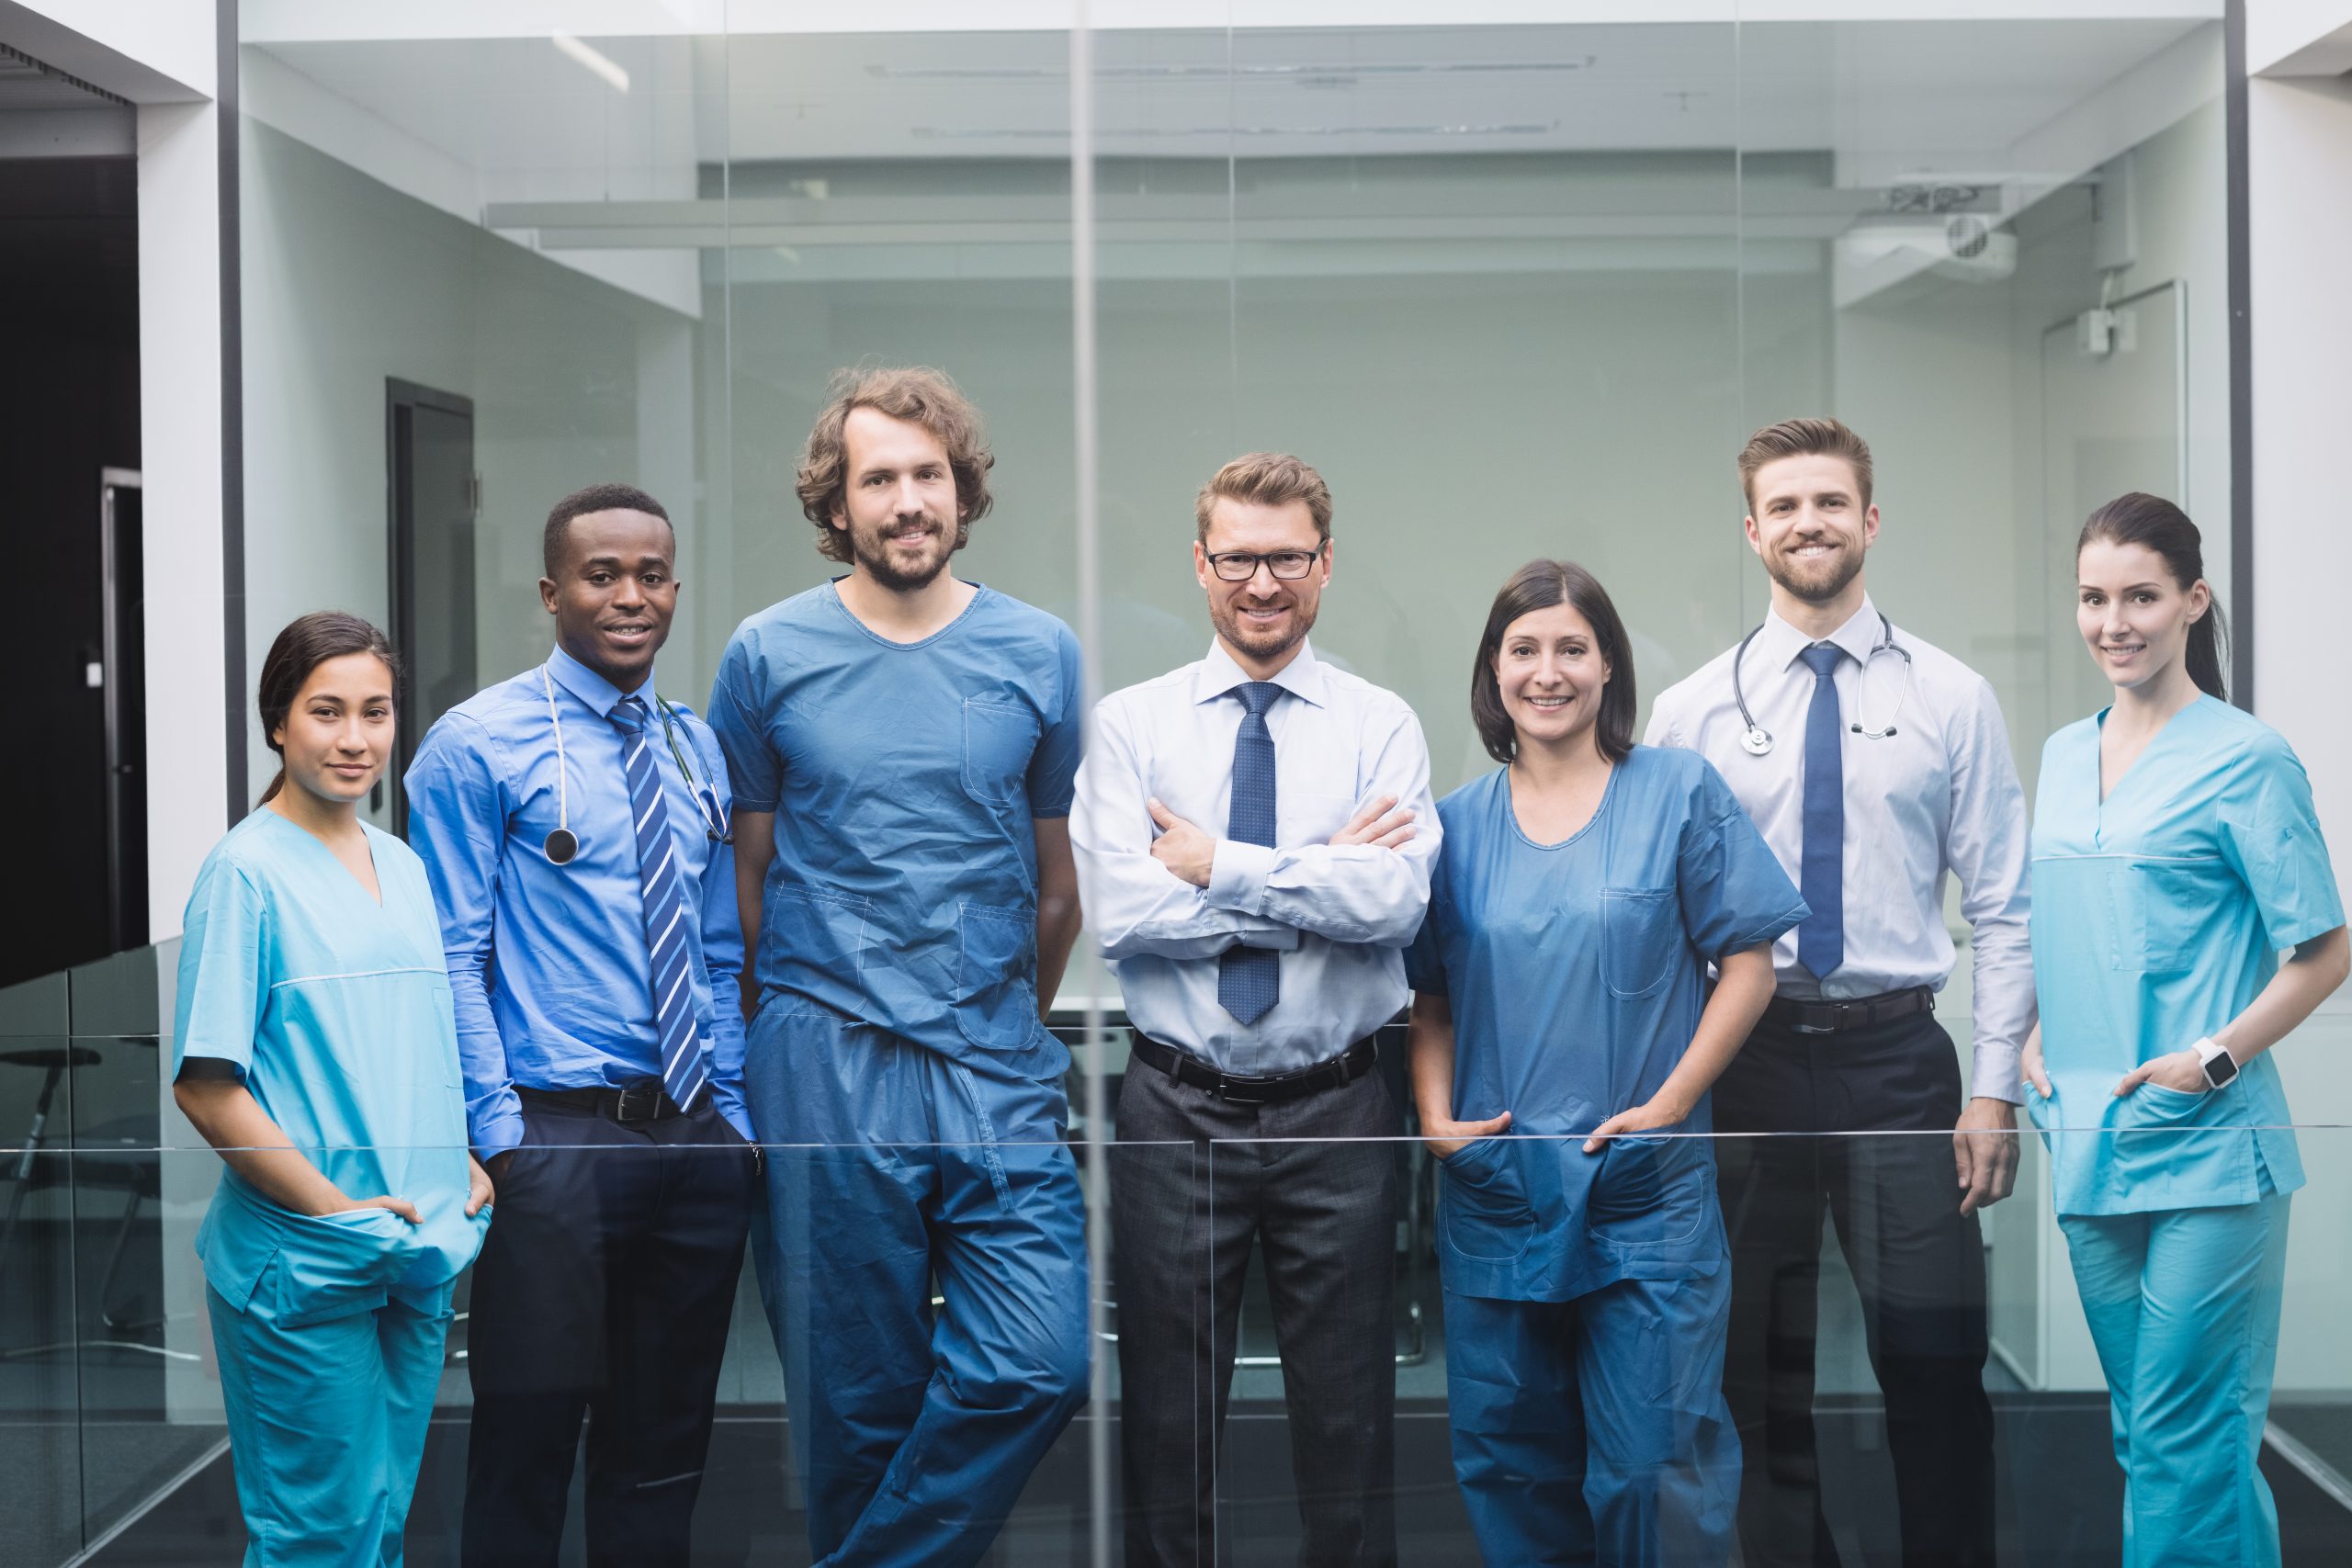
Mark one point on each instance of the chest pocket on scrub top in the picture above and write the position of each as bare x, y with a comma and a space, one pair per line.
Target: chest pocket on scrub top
2155, 906
1641, 935
1000, 736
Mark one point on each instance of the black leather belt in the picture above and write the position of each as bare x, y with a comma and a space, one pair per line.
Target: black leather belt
1244, 1090
644, 1100
1861, 1013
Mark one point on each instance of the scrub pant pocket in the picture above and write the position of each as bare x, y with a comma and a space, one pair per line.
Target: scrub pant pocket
326, 1428
1595, 1430
2183, 1306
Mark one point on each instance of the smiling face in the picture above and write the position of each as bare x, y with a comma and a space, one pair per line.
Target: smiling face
338, 734
614, 593
1808, 524
2134, 618
1261, 620
901, 511
1550, 673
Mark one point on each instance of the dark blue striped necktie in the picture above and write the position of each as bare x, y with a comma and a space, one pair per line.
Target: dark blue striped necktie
1249, 980
661, 883
1821, 937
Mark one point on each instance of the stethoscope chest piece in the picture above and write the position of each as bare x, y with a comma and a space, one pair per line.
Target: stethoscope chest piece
1757, 742
561, 845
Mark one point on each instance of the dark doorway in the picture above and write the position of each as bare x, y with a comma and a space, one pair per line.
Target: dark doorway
122, 562
69, 408
435, 497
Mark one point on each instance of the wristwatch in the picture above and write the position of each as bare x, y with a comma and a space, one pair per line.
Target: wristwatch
2219, 1064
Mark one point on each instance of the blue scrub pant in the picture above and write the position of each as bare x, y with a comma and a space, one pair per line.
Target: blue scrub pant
2184, 1306
1594, 1430
326, 1428
914, 1430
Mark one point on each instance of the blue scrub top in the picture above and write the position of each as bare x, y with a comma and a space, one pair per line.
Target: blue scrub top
905, 779
336, 1011
2158, 915
1576, 972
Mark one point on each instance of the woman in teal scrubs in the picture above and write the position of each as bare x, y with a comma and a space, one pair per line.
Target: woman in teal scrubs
2176, 856
1560, 994
314, 1047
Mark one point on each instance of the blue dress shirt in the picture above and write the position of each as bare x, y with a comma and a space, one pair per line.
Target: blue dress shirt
547, 966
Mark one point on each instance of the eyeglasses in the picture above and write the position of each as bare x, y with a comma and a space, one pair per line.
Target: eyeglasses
1240, 566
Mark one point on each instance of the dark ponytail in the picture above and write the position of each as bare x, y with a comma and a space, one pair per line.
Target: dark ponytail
2157, 525
307, 642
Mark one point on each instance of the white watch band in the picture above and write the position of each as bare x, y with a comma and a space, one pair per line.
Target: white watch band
2207, 1050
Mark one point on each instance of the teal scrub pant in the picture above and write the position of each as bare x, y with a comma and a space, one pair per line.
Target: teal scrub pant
1594, 1431
326, 1428
2184, 1308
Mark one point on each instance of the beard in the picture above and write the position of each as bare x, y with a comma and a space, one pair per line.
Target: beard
1818, 581
872, 551
1228, 620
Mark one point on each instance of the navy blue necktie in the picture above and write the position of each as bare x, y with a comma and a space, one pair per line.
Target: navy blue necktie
1821, 939
1249, 980
661, 883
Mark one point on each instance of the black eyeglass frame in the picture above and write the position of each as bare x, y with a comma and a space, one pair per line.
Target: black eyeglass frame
1307, 559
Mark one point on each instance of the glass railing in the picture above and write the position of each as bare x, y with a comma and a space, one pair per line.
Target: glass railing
1522, 1342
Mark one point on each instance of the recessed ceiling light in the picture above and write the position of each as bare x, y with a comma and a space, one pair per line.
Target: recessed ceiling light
1309, 72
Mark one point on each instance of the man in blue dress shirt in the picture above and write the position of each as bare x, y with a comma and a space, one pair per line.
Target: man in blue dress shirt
903, 743
574, 827
1257, 835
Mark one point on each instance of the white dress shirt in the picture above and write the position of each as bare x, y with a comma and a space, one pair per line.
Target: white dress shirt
1341, 916
1938, 795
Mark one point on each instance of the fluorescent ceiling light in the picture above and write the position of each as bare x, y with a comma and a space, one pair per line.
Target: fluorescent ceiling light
593, 60
1309, 74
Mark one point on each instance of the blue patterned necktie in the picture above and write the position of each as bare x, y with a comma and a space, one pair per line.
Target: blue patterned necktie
1249, 980
659, 883
1821, 938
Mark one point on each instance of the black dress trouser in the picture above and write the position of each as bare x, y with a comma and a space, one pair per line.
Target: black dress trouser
1917, 1264
604, 1290
1184, 1210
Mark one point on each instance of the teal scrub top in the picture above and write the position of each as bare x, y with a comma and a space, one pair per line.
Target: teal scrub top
336, 1011
1576, 972
2158, 915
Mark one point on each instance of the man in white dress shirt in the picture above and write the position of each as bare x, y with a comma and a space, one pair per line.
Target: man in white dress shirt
1254, 836
1875, 765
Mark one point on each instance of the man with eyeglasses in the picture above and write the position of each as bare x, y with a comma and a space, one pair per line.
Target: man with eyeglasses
1254, 836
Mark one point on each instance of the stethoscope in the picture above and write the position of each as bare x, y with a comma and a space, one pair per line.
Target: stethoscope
1757, 740
562, 843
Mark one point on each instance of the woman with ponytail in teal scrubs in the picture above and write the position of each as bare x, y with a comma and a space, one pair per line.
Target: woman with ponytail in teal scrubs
315, 1048
2176, 856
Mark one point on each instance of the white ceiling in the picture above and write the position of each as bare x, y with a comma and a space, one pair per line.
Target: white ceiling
1937, 93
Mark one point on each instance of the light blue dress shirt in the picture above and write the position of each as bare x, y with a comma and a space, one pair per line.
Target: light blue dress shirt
906, 780
1339, 915
2159, 913
548, 964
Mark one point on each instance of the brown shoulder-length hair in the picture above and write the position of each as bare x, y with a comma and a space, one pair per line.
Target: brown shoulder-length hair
919, 395
307, 642
1539, 585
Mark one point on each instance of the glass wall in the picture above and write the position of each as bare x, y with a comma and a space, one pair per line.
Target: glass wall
1516, 289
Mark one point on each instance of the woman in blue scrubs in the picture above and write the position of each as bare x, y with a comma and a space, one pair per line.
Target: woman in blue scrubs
1560, 994
2176, 856
314, 1047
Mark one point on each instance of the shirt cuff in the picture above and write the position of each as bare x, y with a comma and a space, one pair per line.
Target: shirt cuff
1238, 873
1998, 1076
498, 1132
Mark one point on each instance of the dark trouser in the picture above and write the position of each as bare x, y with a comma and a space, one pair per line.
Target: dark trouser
1182, 1221
1917, 1264
603, 1289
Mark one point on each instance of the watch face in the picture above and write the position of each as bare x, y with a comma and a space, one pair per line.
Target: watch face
2219, 1068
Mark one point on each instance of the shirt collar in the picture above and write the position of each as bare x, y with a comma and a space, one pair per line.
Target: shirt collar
1779, 643
1303, 677
600, 695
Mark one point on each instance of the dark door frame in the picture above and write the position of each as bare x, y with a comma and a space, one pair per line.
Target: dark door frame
401, 398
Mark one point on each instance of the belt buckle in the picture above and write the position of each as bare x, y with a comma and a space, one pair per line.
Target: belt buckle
1243, 1091
1831, 1028
640, 1101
